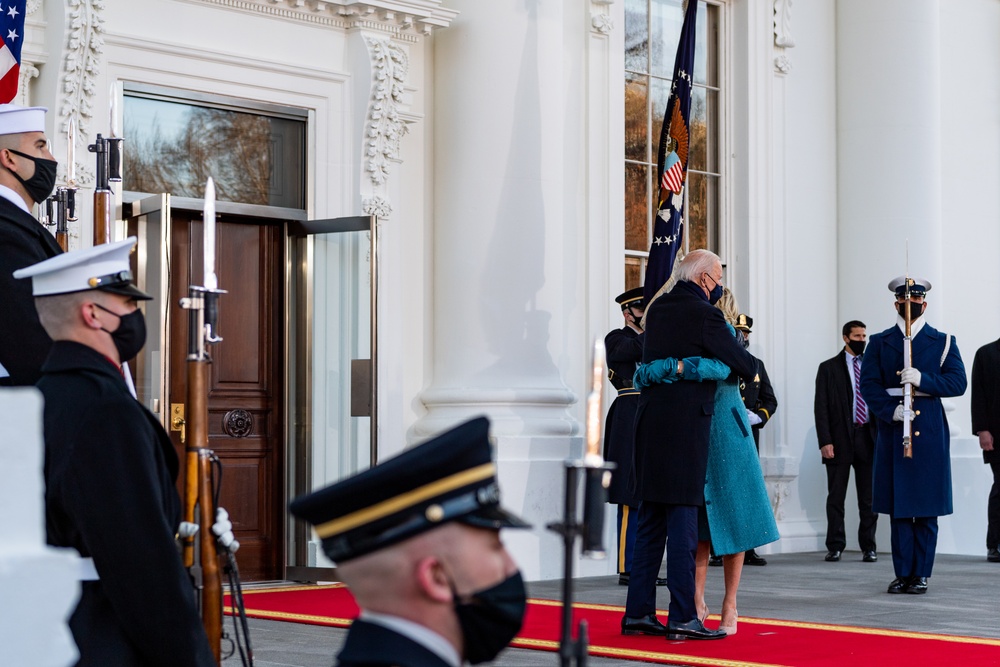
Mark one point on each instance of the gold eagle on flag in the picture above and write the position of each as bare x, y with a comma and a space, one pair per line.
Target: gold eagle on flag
675, 162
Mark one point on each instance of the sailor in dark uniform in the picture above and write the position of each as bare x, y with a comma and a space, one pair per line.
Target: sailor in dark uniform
417, 540
110, 469
27, 176
624, 352
760, 401
914, 491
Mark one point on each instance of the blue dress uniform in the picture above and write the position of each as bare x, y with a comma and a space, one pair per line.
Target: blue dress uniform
912, 491
624, 352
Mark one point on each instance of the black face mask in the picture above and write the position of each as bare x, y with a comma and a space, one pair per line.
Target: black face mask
857, 347
916, 310
41, 183
745, 339
130, 335
715, 294
491, 618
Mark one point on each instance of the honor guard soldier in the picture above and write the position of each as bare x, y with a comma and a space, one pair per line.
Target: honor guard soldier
913, 491
110, 468
27, 176
761, 403
624, 352
417, 540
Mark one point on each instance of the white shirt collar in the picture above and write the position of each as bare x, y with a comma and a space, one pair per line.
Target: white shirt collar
14, 198
915, 326
424, 636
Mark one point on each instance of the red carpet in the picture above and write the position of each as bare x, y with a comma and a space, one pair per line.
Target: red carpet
760, 642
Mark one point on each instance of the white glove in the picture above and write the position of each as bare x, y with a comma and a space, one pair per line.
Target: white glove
187, 529
897, 415
910, 376
223, 530
754, 418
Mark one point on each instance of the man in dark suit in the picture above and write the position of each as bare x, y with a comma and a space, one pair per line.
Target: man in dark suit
624, 352
110, 469
417, 539
913, 491
986, 422
673, 423
27, 176
846, 435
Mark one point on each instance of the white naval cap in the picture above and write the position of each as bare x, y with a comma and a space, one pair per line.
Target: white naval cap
101, 267
16, 119
918, 286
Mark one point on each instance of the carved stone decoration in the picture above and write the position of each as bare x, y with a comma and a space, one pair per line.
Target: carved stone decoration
783, 24
82, 66
237, 423
602, 23
27, 73
32, 7
377, 205
384, 128
783, 64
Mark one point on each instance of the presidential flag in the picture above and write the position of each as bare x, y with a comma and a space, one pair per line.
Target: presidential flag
672, 162
11, 38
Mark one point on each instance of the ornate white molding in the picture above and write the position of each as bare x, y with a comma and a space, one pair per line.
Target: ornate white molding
783, 24
384, 127
32, 7
27, 73
779, 473
403, 19
84, 51
783, 64
600, 17
377, 205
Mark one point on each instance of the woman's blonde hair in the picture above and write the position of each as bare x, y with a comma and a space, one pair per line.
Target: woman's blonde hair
727, 304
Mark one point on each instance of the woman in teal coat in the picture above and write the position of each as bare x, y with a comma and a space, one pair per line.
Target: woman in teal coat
737, 511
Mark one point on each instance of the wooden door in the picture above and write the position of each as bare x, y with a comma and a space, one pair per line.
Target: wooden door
245, 402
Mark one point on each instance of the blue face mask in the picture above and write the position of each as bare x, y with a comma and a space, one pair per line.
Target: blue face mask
716, 293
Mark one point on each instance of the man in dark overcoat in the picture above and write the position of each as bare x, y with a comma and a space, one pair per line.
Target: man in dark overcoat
986, 423
110, 469
417, 540
27, 176
846, 434
673, 423
915, 491
624, 352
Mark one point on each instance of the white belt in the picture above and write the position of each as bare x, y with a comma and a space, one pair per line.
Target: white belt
898, 391
86, 571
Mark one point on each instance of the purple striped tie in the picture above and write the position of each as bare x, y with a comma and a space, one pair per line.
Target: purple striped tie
860, 409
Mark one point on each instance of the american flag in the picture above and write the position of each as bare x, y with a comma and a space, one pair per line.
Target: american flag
11, 38
671, 162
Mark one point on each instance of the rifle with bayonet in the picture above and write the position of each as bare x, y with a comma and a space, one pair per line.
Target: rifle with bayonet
108, 153
907, 363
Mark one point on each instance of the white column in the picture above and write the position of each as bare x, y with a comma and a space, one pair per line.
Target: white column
889, 151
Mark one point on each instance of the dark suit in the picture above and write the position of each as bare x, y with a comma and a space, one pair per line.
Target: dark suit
23, 342
853, 446
110, 493
624, 352
673, 424
986, 417
915, 491
758, 397
374, 645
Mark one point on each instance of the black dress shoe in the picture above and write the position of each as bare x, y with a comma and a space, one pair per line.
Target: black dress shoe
660, 581
623, 579
715, 561
870, 556
993, 555
693, 629
832, 556
751, 558
899, 585
918, 586
645, 625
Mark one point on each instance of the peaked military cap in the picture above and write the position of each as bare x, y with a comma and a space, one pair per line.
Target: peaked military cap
919, 286
631, 298
744, 322
451, 477
101, 267
15, 119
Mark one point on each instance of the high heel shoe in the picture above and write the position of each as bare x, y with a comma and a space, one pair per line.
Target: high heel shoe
703, 613
730, 629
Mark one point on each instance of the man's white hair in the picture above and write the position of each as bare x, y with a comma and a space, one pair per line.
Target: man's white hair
696, 263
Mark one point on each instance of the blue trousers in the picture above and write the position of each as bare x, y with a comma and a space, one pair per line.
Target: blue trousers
914, 541
627, 522
676, 527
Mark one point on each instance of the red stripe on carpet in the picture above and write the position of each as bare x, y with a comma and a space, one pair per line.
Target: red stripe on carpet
760, 642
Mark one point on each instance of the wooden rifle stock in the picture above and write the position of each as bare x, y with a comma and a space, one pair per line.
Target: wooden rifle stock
102, 216
907, 388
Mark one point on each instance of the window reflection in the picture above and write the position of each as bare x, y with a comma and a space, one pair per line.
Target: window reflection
174, 147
